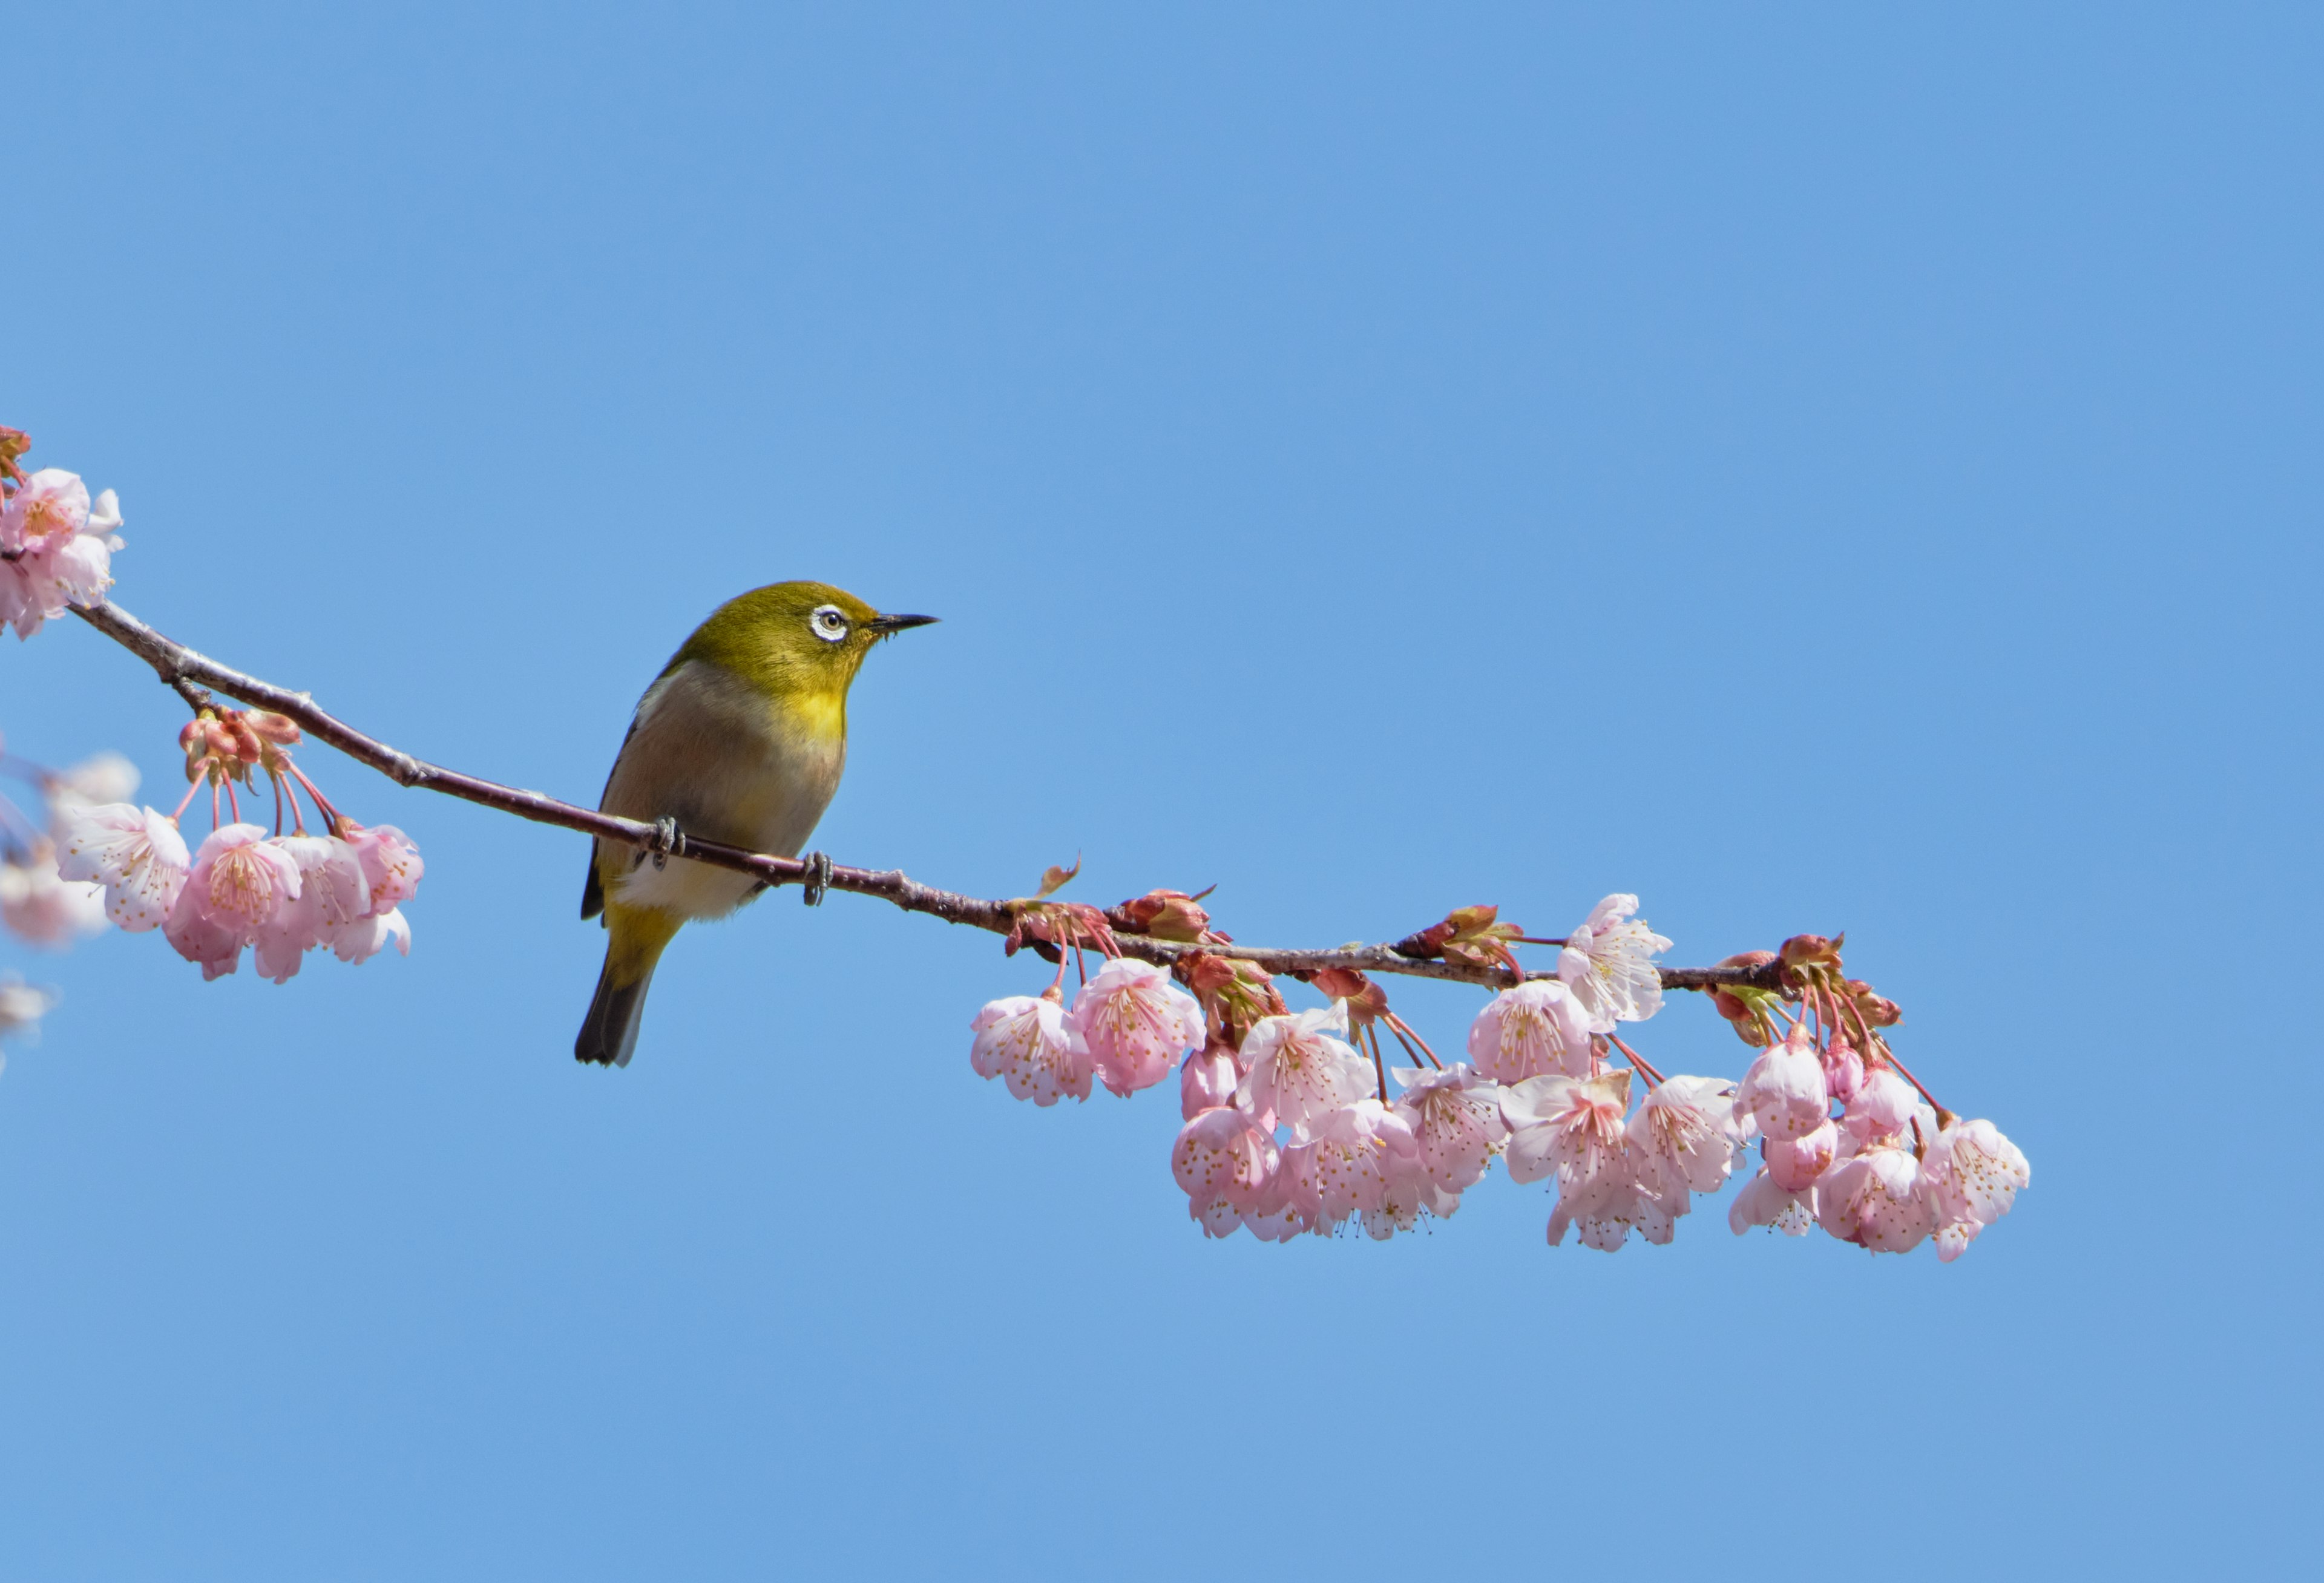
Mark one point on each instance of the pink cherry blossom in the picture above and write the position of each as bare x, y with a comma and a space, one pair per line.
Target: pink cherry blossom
1784, 1090
1762, 1203
51, 507
1344, 1165
1684, 1137
198, 939
52, 551
1874, 1201
1882, 1106
1622, 1205
1207, 1079
1222, 1162
42, 909
1276, 1214
1571, 1127
135, 853
1455, 1119
1539, 1028
240, 883
1843, 1070
102, 777
1407, 1192
390, 863
1298, 1072
1970, 1178
360, 940
1795, 1163
1024, 1040
1609, 962
22, 1007
1135, 1023
333, 900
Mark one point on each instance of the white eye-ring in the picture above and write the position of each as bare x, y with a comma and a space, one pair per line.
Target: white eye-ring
829, 623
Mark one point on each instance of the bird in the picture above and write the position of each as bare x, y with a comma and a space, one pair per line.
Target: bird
741, 739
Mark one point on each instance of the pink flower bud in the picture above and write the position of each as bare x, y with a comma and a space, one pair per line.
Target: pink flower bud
1881, 1106
1784, 1090
1795, 1163
1843, 1070
1207, 1081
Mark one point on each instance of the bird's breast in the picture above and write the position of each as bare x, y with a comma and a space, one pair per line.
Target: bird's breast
731, 766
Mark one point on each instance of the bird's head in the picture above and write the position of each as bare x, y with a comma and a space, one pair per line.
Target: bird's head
794, 640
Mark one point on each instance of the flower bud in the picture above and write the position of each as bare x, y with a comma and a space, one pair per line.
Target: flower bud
1207, 1081
278, 729
1807, 951
1843, 1070
1796, 1163
1878, 1010
1167, 914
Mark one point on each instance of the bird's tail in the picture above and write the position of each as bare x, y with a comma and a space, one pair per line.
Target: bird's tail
609, 1033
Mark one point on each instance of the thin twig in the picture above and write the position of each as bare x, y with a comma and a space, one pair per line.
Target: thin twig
188, 672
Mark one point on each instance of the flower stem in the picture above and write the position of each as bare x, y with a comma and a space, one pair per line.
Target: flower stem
1639, 1061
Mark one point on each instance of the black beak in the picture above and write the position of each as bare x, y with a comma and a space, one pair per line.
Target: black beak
885, 625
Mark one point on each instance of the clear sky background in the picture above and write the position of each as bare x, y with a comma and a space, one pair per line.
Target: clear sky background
1817, 469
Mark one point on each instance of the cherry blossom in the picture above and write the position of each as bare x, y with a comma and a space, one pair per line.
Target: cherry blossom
360, 940
1684, 1137
43, 908
1882, 1106
1762, 1202
1843, 1070
1455, 1119
53, 550
1023, 1040
1135, 1022
1784, 1090
1970, 1178
1344, 1165
1406, 1193
1872, 1200
1539, 1028
22, 1007
135, 853
1623, 1204
1298, 1071
334, 899
390, 863
1276, 1214
239, 882
102, 777
1794, 1163
1571, 1128
1609, 962
1222, 1162
1206, 1080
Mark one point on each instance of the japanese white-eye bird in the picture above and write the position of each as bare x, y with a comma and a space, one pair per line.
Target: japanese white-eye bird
741, 739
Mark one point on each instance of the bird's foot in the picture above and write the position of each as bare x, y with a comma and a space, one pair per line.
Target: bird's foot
669, 842
818, 878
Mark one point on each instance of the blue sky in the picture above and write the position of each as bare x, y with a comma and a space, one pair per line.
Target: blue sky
1819, 470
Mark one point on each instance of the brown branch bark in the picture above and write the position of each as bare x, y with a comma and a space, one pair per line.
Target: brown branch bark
194, 676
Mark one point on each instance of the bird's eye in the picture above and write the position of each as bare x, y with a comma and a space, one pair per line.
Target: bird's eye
829, 624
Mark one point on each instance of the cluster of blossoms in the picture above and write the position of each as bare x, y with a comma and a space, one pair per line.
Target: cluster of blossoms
56, 548
1290, 1126
98, 856
38, 905
279, 895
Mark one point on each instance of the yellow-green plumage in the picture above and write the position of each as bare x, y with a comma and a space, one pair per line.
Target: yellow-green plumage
741, 739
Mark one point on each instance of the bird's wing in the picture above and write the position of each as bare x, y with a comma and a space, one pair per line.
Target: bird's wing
593, 889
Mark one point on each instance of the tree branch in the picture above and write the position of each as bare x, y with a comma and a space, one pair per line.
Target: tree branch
190, 672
